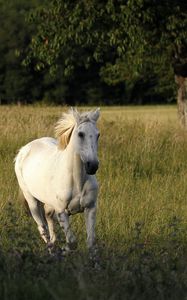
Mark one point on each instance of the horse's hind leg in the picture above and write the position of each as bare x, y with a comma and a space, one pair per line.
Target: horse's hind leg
63, 219
49, 213
35, 210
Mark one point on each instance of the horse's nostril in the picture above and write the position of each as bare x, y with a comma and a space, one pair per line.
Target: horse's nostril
88, 164
91, 167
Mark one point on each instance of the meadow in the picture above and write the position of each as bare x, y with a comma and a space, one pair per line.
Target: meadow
142, 211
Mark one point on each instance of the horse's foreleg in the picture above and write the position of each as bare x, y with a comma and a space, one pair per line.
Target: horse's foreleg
90, 218
63, 219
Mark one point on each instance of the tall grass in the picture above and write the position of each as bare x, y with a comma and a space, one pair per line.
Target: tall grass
142, 211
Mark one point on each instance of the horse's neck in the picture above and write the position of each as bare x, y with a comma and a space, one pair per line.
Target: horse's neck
79, 173
77, 168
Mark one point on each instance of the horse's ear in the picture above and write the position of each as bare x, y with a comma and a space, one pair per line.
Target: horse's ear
95, 115
75, 114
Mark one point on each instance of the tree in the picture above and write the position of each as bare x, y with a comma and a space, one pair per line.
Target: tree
129, 41
17, 83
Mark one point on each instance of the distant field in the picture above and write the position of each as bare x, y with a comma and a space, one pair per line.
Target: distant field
143, 113
142, 211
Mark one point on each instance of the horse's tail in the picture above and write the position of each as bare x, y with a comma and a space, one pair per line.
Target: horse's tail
19, 160
22, 199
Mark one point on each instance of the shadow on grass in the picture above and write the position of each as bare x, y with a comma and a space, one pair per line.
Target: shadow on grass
140, 271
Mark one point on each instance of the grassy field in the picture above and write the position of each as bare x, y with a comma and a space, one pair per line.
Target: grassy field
141, 220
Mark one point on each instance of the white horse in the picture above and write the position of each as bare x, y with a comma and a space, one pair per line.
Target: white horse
60, 174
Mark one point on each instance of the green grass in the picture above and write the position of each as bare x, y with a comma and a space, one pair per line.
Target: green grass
142, 211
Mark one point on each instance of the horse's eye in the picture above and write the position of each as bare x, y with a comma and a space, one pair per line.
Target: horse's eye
81, 134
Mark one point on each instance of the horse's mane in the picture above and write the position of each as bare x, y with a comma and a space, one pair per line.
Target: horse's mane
65, 125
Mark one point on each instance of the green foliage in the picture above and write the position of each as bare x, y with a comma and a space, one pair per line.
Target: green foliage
133, 46
129, 41
16, 82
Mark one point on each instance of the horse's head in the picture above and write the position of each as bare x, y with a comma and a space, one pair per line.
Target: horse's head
86, 139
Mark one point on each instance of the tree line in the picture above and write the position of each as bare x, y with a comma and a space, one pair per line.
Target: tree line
93, 52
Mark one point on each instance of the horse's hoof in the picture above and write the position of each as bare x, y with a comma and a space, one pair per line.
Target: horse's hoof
69, 248
72, 246
65, 251
95, 258
50, 248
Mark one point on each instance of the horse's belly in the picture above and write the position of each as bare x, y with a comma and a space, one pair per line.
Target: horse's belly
35, 180
41, 180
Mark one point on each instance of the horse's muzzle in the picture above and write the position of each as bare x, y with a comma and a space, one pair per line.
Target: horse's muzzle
91, 167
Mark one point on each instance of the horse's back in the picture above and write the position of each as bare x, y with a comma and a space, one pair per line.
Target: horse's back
35, 148
49, 141
38, 145
33, 159
42, 144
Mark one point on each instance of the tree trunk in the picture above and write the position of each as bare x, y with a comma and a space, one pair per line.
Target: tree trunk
182, 99
180, 71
